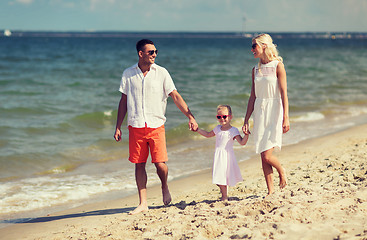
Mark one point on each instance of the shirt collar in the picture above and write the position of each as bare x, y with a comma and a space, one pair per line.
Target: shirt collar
154, 66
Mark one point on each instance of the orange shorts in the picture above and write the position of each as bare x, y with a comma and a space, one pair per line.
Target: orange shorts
143, 139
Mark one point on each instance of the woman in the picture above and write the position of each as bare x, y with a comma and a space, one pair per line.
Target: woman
269, 103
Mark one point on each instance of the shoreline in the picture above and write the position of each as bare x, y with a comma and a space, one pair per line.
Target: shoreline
195, 197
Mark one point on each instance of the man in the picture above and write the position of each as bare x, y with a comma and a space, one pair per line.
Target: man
145, 88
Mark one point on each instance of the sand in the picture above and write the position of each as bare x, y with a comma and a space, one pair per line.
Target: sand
326, 198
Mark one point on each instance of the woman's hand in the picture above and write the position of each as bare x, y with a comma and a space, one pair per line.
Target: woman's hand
246, 128
286, 125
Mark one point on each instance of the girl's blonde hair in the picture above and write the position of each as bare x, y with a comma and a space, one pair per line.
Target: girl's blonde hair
225, 106
270, 50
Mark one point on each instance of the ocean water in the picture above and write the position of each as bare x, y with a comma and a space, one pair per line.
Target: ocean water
59, 97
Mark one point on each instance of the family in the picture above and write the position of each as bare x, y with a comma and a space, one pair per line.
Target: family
145, 88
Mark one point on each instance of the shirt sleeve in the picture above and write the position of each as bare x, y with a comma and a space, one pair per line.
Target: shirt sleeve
168, 84
216, 130
123, 85
234, 132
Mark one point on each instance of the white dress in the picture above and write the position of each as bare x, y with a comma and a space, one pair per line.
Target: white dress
268, 109
225, 167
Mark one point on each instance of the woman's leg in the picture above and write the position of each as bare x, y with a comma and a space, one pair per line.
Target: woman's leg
268, 162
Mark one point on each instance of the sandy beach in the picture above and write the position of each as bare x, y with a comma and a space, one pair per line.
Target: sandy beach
326, 198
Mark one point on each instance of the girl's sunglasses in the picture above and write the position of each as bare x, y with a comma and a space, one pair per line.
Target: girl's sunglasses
222, 116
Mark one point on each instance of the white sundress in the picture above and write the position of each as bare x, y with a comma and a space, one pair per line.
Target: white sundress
225, 168
268, 109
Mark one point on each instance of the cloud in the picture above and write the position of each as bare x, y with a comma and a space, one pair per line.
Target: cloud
26, 2
96, 4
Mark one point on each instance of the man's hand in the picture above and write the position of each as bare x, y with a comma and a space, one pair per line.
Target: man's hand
193, 126
117, 135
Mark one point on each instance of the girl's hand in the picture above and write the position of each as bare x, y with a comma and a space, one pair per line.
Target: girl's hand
246, 129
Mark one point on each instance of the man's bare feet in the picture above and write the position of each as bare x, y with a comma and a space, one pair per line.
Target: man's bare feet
166, 196
139, 209
283, 179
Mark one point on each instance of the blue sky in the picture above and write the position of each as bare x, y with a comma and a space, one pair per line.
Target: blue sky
184, 15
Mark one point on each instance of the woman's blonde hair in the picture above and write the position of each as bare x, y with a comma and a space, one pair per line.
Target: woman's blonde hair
270, 50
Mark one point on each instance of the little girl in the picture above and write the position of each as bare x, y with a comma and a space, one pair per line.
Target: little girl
225, 168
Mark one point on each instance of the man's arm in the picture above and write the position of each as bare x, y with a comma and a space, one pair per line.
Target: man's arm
120, 116
181, 104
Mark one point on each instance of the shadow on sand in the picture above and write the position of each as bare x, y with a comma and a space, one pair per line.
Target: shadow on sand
181, 205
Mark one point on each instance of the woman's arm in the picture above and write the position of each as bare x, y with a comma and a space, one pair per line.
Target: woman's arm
282, 81
250, 105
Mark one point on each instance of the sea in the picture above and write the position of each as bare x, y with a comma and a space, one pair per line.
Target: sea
59, 97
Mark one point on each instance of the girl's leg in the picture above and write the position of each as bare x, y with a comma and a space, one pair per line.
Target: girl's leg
268, 162
223, 191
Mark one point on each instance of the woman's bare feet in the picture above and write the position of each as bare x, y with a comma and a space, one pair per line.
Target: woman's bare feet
283, 179
139, 209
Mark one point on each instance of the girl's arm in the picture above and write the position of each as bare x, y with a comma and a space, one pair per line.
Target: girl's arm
241, 140
250, 106
282, 81
205, 133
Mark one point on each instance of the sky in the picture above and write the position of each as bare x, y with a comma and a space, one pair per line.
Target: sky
185, 15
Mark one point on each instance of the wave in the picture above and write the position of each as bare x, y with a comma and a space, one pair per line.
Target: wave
95, 119
39, 192
308, 117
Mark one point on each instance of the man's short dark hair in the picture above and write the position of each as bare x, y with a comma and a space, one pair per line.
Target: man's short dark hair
141, 44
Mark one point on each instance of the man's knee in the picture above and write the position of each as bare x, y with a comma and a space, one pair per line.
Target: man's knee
140, 166
160, 165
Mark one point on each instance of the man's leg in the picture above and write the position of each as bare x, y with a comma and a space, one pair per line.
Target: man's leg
141, 182
162, 171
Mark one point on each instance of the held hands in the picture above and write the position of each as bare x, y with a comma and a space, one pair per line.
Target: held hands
246, 128
193, 126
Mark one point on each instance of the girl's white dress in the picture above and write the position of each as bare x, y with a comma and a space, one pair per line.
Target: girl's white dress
268, 109
225, 167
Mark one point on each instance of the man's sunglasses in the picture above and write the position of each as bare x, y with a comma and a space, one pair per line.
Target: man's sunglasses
151, 52
222, 116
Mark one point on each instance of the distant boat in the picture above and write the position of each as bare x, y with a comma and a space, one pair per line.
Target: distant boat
7, 33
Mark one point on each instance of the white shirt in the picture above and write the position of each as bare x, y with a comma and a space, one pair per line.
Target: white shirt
146, 96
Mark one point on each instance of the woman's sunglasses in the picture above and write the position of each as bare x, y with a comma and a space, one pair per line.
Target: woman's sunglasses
254, 45
222, 116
